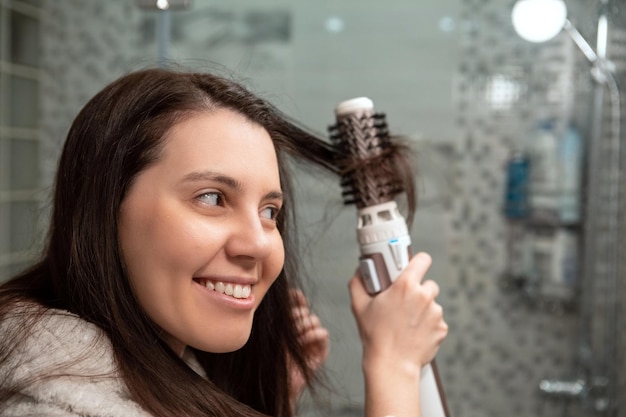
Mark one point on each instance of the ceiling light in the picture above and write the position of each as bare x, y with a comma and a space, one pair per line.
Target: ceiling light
539, 20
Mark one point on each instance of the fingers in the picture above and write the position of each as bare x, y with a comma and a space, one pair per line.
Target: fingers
413, 273
317, 343
305, 320
358, 293
417, 267
298, 299
431, 288
313, 336
404, 321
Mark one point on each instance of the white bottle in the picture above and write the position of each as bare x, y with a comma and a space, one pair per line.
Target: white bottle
571, 166
544, 176
555, 257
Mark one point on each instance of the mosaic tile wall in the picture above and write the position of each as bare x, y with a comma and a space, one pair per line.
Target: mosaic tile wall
530, 337
619, 56
502, 342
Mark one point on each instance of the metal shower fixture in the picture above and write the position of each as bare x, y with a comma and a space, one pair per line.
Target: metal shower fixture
163, 4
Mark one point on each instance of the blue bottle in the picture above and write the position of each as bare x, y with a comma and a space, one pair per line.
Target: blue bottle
517, 186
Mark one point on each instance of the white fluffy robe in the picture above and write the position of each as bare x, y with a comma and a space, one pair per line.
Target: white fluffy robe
78, 359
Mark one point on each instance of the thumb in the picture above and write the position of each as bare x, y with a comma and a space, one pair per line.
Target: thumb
358, 293
416, 269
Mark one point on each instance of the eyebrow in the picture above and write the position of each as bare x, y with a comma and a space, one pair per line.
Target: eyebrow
213, 176
230, 182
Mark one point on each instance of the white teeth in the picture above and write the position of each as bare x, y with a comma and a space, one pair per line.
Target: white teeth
229, 289
245, 291
236, 290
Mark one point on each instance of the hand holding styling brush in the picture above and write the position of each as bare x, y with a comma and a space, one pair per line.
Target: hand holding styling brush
373, 173
401, 329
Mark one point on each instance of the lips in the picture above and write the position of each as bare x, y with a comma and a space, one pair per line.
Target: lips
239, 291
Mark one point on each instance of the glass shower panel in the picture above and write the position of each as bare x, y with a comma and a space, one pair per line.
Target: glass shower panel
20, 55
36, 3
24, 164
18, 224
5, 166
24, 98
23, 224
24, 33
5, 230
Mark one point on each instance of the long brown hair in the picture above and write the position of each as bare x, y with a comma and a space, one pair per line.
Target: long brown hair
117, 134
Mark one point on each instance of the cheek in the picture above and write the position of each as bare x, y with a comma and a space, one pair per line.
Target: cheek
277, 259
159, 241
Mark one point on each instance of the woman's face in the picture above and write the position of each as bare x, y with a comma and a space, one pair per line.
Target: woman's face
198, 231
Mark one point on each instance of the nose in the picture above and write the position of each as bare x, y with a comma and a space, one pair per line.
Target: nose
249, 239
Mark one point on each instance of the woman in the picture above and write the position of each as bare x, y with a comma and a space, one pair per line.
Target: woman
168, 284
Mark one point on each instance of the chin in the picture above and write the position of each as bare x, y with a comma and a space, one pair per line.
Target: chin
225, 348
227, 344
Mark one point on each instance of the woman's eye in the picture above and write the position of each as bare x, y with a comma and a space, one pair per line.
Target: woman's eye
270, 213
212, 198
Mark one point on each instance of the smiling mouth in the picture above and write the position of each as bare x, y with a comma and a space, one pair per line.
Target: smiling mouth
233, 290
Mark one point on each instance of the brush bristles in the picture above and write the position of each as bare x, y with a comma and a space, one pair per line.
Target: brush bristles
365, 159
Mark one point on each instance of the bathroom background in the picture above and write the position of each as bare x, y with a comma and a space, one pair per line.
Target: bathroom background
455, 78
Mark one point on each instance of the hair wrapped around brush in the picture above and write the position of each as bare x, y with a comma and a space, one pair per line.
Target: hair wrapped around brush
374, 166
